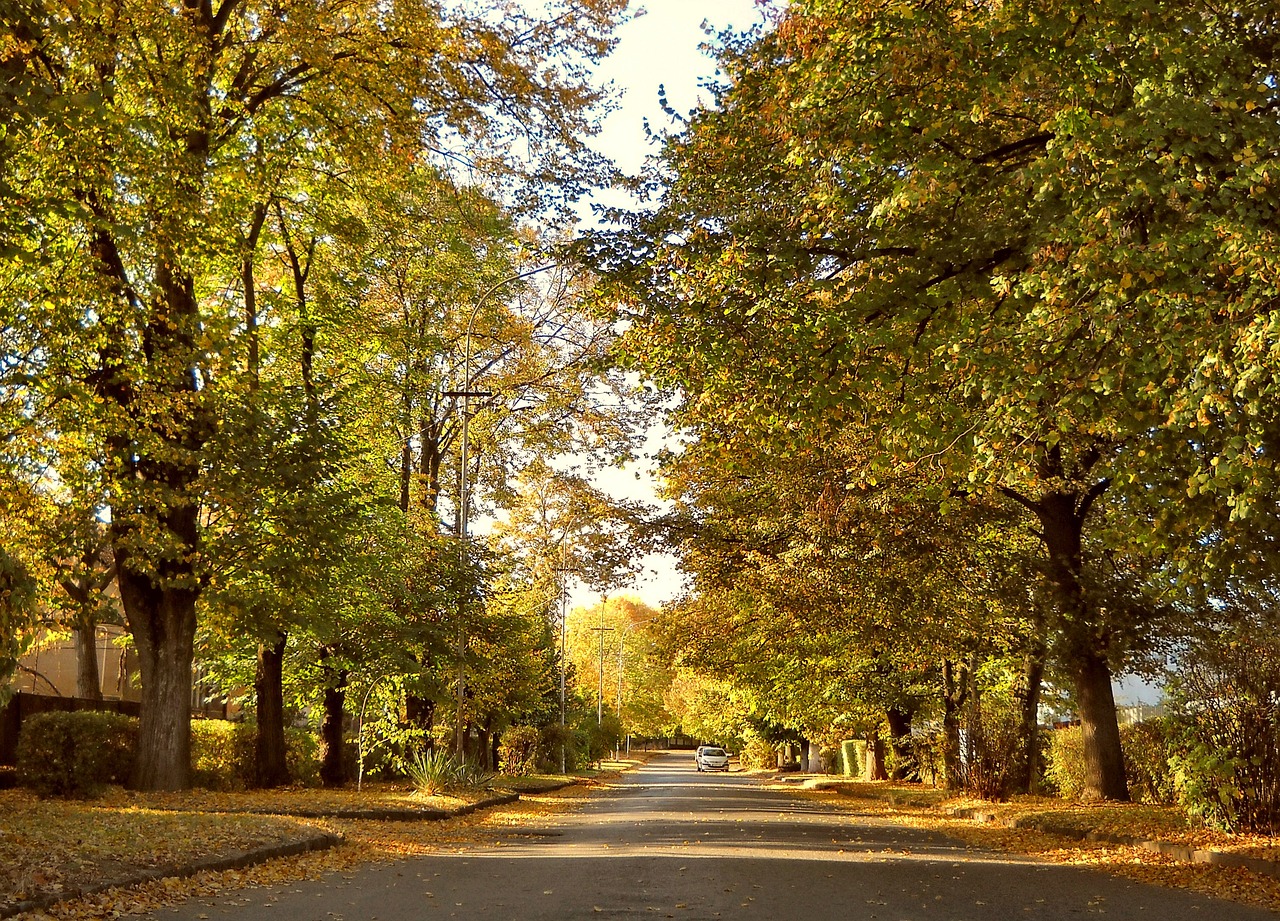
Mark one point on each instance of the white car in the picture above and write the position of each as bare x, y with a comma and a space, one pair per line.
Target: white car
711, 758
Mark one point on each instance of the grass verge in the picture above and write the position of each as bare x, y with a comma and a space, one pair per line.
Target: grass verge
930, 809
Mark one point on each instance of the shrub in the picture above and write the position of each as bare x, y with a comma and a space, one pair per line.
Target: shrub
601, 737
1226, 730
76, 753
758, 755
995, 765
224, 755
551, 738
1065, 771
853, 757
302, 755
438, 771
1146, 761
518, 750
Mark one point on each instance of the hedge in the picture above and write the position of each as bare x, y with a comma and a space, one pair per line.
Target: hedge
76, 753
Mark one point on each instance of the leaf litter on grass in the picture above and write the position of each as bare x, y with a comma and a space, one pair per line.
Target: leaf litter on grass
923, 808
136, 837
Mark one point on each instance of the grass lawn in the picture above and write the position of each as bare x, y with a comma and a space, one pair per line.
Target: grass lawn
48, 846
928, 808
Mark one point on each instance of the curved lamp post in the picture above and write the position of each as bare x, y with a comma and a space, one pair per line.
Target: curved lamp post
466, 393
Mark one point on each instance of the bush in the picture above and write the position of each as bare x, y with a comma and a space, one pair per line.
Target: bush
995, 765
76, 753
1146, 762
518, 750
758, 755
438, 771
1226, 730
551, 738
224, 755
1065, 770
603, 737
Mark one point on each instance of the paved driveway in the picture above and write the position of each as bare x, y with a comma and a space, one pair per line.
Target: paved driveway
670, 842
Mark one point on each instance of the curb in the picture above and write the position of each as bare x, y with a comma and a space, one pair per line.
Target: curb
562, 785
235, 861
1180, 852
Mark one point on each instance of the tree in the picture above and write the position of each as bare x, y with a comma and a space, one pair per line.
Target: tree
961, 227
172, 105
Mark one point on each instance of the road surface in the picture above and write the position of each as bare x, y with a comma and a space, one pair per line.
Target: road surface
669, 842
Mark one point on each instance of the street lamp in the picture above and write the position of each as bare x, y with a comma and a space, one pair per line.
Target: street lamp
466, 393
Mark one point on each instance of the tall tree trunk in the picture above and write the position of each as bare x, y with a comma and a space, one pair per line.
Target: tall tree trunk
332, 770
88, 678
163, 624
484, 750
1100, 730
268, 686
1025, 774
157, 467
406, 475
955, 691
420, 714
876, 758
904, 761
1062, 518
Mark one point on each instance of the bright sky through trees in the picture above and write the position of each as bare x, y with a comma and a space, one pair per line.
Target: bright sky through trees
661, 48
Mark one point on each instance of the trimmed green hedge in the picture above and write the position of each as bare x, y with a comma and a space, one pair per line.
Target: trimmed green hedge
76, 753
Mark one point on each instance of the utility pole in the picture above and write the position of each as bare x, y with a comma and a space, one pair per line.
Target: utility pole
602, 630
564, 571
464, 497
622, 640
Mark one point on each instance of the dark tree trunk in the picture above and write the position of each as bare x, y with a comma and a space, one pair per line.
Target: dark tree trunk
1062, 518
955, 691
88, 678
484, 748
495, 745
406, 475
904, 761
332, 770
420, 714
1104, 758
156, 515
268, 685
1025, 773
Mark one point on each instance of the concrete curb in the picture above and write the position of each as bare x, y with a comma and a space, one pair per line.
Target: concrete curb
552, 788
234, 861
1181, 852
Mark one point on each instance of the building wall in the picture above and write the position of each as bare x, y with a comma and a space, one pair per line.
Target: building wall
51, 668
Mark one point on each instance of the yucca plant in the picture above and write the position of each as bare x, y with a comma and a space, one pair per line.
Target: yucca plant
435, 772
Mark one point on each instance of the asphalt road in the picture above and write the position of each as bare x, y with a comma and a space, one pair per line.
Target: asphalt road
669, 842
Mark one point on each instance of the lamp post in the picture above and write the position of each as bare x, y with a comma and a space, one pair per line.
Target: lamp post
464, 497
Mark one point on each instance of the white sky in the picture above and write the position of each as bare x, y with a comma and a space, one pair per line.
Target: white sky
661, 47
